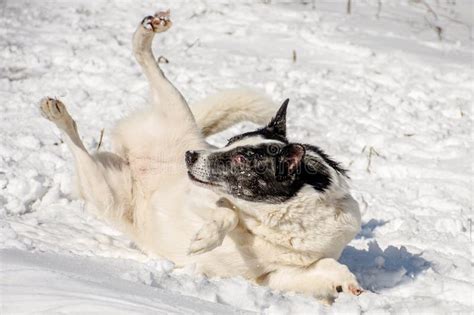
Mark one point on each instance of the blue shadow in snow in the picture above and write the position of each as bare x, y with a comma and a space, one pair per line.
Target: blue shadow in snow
378, 269
367, 229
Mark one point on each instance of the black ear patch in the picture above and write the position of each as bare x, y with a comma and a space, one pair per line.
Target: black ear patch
291, 156
278, 124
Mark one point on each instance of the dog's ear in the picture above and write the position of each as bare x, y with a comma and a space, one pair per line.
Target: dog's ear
278, 124
291, 157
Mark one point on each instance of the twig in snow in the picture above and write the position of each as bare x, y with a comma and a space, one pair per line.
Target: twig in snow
294, 56
371, 153
189, 46
379, 8
313, 3
470, 229
439, 31
100, 139
349, 7
436, 28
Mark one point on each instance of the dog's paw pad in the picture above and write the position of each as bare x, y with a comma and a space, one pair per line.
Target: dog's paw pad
206, 239
52, 109
157, 23
349, 286
355, 289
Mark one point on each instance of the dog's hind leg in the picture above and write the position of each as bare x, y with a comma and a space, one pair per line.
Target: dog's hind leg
104, 179
168, 102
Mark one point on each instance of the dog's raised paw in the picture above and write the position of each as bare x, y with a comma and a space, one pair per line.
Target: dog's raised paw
160, 22
206, 239
54, 110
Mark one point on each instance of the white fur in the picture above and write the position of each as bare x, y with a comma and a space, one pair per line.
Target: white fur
143, 189
224, 109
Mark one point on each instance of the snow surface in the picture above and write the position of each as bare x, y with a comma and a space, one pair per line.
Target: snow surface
376, 89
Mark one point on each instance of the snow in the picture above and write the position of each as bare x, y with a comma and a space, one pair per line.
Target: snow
63, 284
381, 94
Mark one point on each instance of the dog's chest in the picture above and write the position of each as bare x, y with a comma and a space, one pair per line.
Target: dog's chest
303, 225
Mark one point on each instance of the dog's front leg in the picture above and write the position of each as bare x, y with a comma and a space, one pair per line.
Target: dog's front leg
325, 279
221, 220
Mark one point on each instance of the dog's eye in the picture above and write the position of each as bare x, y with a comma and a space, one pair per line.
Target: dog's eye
239, 159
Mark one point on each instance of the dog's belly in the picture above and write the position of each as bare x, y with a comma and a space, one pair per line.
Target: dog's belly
168, 222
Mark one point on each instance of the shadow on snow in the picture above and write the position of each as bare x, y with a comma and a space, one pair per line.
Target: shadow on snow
378, 269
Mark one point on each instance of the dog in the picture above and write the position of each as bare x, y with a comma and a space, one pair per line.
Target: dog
275, 212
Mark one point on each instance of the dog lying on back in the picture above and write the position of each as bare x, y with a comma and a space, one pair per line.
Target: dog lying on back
275, 212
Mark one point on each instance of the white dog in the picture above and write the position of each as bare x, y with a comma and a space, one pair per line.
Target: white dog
274, 212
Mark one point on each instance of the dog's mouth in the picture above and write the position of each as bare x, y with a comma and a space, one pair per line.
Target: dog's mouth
197, 180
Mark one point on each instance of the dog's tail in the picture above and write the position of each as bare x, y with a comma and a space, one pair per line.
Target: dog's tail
226, 108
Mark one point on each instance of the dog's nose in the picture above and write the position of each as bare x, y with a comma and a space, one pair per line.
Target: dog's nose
191, 157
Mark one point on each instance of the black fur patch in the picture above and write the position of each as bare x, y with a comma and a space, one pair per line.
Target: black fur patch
264, 133
335, 165
315, 173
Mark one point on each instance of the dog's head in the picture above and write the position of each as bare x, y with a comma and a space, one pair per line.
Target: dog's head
262, 166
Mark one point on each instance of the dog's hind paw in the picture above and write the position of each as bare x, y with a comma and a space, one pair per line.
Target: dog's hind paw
55, 111
158, 23
206, 239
